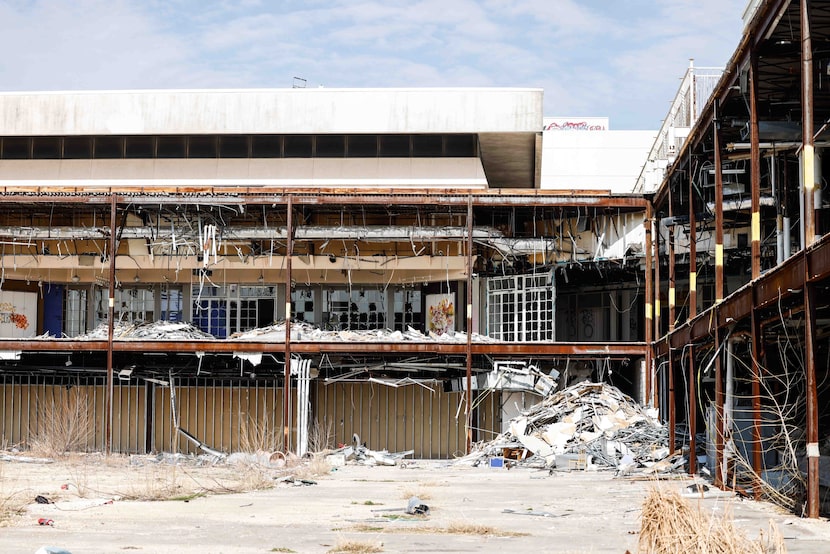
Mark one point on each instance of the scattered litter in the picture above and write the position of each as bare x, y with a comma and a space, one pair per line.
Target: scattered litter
46, 521
25, 459
52, 550
291, 480
528, 513
40, 499
585, 426
416, 506
360, 454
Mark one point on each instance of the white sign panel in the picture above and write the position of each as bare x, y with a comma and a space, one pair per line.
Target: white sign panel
18, 314
575, 124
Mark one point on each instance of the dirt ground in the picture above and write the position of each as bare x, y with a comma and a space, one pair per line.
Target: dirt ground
141, 504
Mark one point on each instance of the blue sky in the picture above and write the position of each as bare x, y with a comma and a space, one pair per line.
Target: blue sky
617, 58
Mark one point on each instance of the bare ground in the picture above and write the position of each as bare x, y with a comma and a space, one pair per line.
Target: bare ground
139, 504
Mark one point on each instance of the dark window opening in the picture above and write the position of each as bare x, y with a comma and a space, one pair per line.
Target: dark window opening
170, 147
77, 148
201, 147
15, 148
298, 146
109, 147
427, 146
46, 148
331, 146
460, 146
363, 146
267, 146
139, 147
394, 146
233, 147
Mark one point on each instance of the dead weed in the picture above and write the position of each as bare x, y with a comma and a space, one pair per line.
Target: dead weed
355, 547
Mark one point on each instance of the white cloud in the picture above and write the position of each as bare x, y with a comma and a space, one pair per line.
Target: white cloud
593, 57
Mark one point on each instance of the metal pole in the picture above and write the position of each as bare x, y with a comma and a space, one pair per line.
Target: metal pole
757, 461
813, 500
719, 476
808, 152
718, 207
672, 413
649, 330
286, 402
110, 327
754, 167
692, 245
692, 423
469, 396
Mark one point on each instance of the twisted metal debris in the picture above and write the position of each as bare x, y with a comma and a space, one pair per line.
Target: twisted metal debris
592, 423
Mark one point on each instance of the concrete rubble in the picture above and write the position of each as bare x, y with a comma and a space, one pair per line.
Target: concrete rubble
587, 425
300, 331
358, 453
140, 330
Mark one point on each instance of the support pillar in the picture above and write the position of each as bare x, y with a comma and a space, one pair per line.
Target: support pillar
110, 328
469, 303
649, 320
286, 388
719, 475
754, 167
813, 499
807, 126
718, 208
692, 423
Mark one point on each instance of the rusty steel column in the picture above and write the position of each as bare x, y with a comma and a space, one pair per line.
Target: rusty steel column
718, 207
756, 368
719, 476
692, 246
808, 149
469, 395
649, 328
672, 410
692, 423
286, 400
754, 167
813, 500
672, 276
108, 410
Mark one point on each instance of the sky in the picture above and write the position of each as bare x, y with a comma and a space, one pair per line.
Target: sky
621, 59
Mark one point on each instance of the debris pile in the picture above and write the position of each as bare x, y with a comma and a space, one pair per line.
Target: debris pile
587, 423
301, 331
360, 454
141, 330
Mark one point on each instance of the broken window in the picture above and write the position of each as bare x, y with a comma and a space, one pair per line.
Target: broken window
74, 322
521, 308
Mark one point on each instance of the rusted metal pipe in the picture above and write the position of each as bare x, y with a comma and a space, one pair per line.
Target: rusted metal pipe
469, 312
286, 400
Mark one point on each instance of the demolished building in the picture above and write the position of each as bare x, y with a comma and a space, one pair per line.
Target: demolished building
387, 263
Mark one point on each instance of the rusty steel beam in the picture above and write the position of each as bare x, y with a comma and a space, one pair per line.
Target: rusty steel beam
672, 414
616, 350
267, 195
781, 282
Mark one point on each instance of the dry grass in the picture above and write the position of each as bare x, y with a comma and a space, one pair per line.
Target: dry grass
320, 437
316, 466
453, 528
356, 547
255, 436
65, 424
12, 501
417, 489
671, 524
